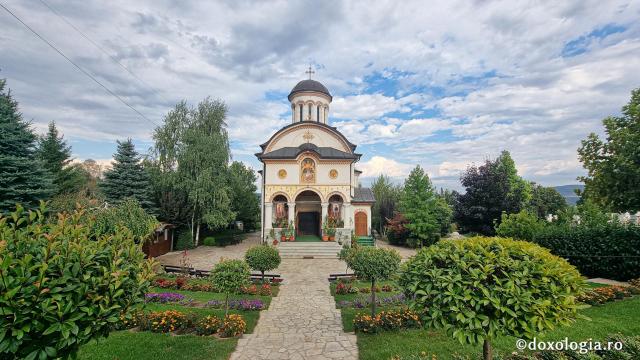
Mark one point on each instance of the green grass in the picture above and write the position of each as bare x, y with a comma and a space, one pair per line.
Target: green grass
615, 317
125, 345
204, 296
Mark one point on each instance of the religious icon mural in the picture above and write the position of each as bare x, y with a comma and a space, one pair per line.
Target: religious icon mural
308, 171
334, 210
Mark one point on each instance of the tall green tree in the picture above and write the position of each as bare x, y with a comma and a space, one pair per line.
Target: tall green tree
127, 178
423, 209
613, 163
244, 199
55, 154
191, 156
491, 189
23, 178
387, 195
546, 200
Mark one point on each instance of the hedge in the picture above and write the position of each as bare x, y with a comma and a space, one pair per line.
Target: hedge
610, 251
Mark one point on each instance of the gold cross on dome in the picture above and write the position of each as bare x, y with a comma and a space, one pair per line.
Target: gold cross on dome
310, 71
308, 136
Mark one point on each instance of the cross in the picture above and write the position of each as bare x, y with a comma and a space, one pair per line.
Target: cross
309, 72
308, 136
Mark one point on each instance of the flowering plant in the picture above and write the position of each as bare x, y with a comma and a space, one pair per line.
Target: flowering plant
207, 325
165, 321
250, 290
602, 295
232, 325
163, 298
244, 304
265, 290
386, 320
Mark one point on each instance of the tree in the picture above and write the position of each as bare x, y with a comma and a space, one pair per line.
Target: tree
127, 178
387, 195
374, 264
23, 178
126, 214
55, 154
491, 189
425, 212
482, 288
61, 286
546, 200
230, 276
262, 258
191, 156
524, 225
613, 164
244, 200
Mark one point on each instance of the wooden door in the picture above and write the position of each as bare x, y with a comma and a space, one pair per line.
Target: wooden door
361, 224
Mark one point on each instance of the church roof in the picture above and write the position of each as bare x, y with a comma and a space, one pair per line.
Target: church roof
363, 195
323, 153
305, 123
309, 85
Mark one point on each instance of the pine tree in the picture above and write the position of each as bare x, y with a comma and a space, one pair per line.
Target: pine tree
55, 154
128, 179
23, 179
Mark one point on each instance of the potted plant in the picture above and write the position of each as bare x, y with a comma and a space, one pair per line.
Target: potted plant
332, 234
283, 235
325, 230
272, 235
291, 231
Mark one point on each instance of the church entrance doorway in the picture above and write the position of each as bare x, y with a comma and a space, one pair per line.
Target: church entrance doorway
308, 218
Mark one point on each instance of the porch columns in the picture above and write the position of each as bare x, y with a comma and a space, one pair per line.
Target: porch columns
292, 213
268, 216
324, 213
348, 215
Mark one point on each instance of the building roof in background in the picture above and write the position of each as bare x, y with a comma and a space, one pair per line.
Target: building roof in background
363, 195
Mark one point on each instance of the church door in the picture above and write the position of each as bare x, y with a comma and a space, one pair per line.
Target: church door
308, 223
361, 224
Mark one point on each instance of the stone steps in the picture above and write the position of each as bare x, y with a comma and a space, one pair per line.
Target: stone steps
315, 250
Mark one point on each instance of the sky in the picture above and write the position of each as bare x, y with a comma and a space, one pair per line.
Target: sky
442, 84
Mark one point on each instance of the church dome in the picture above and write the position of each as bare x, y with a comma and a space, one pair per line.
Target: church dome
309, 85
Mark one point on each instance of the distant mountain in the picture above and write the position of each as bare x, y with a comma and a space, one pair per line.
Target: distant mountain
567, 191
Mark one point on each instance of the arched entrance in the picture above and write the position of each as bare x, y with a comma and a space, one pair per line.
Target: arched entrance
361, 224
308, 214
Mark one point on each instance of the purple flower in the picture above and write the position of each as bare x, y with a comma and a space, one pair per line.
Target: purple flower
243, 304
164, 297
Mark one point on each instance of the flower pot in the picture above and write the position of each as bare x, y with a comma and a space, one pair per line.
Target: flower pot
283, 238
291, 238
332, 238
325, 238
275, 242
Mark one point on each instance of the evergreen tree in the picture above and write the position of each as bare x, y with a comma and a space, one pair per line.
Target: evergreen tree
55, 154
23, 179
127, 178
387, 195
427, 214
244, 200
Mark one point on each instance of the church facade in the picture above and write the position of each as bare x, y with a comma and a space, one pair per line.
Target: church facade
309, 175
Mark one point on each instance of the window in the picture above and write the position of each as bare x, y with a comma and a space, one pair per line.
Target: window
310, 111
300, 112
318, 114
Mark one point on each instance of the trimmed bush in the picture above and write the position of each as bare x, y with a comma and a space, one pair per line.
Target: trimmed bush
61, 286
229, 276
480, 288
209, 241
610, 251
375, 264
262, 258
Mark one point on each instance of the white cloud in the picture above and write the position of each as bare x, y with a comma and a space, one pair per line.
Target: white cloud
379, 165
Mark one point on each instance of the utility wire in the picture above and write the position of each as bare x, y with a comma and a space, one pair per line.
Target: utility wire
78, 66
113, 58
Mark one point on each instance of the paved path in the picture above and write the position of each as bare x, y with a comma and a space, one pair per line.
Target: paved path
302, 322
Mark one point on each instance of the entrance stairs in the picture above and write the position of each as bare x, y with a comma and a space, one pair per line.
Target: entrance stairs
309, 250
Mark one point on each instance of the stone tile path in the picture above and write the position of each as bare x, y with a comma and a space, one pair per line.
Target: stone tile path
302, 322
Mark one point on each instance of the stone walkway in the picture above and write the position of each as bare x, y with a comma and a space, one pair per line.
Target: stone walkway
302, 322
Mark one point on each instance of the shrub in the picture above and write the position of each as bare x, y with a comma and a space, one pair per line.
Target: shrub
61, 285
209, 241
207, 325
232, 325
262, 258
608, 250
128, 214
165, 321
343, 288
494, 287
129, 320
374, 264
265, 290
387, 288
184, 241
603, 295
635, 283
250, 290
230, 276
522, 226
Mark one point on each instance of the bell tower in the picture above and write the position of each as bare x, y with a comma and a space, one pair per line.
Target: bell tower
310, 101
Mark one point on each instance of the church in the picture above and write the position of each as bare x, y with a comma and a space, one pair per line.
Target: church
310, 183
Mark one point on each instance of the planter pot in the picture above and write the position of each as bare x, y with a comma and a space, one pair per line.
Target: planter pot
291, 238
275, 242
332, 238
283, 238
325, 238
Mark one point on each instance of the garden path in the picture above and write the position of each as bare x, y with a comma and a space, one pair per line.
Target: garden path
302, 322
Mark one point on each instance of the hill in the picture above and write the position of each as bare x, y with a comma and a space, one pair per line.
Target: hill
567, 191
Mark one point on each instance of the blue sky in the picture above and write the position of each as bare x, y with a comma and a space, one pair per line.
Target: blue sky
442, 85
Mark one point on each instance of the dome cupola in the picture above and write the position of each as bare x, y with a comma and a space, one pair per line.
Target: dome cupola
310, 101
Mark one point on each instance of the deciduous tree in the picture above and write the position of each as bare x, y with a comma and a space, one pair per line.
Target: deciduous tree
387, 196
546, 200
244, 200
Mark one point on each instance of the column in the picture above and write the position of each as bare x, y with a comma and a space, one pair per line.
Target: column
325, 208
268, 215
296, 112
293, 113
326, 114
313, 112
292, 212
348, 216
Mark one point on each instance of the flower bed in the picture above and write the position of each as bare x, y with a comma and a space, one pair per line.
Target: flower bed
163, 298
244, 304
603, 295
364, 302
198, 284
173, 321
386, 320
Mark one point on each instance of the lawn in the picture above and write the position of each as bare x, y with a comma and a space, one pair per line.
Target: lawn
123, 345
614, 317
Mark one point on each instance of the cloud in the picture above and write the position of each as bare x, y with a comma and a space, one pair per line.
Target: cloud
379, 165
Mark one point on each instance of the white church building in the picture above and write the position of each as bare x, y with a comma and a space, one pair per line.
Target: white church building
309, 175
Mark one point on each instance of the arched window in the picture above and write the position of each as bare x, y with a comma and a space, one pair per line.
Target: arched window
300, 112
310, 105
318, 114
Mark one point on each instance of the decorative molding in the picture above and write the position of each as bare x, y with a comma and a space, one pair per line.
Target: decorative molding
282, 173
290, 191
333, 173
307, 125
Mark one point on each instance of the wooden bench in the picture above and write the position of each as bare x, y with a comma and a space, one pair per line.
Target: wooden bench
334, 277
205, 273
